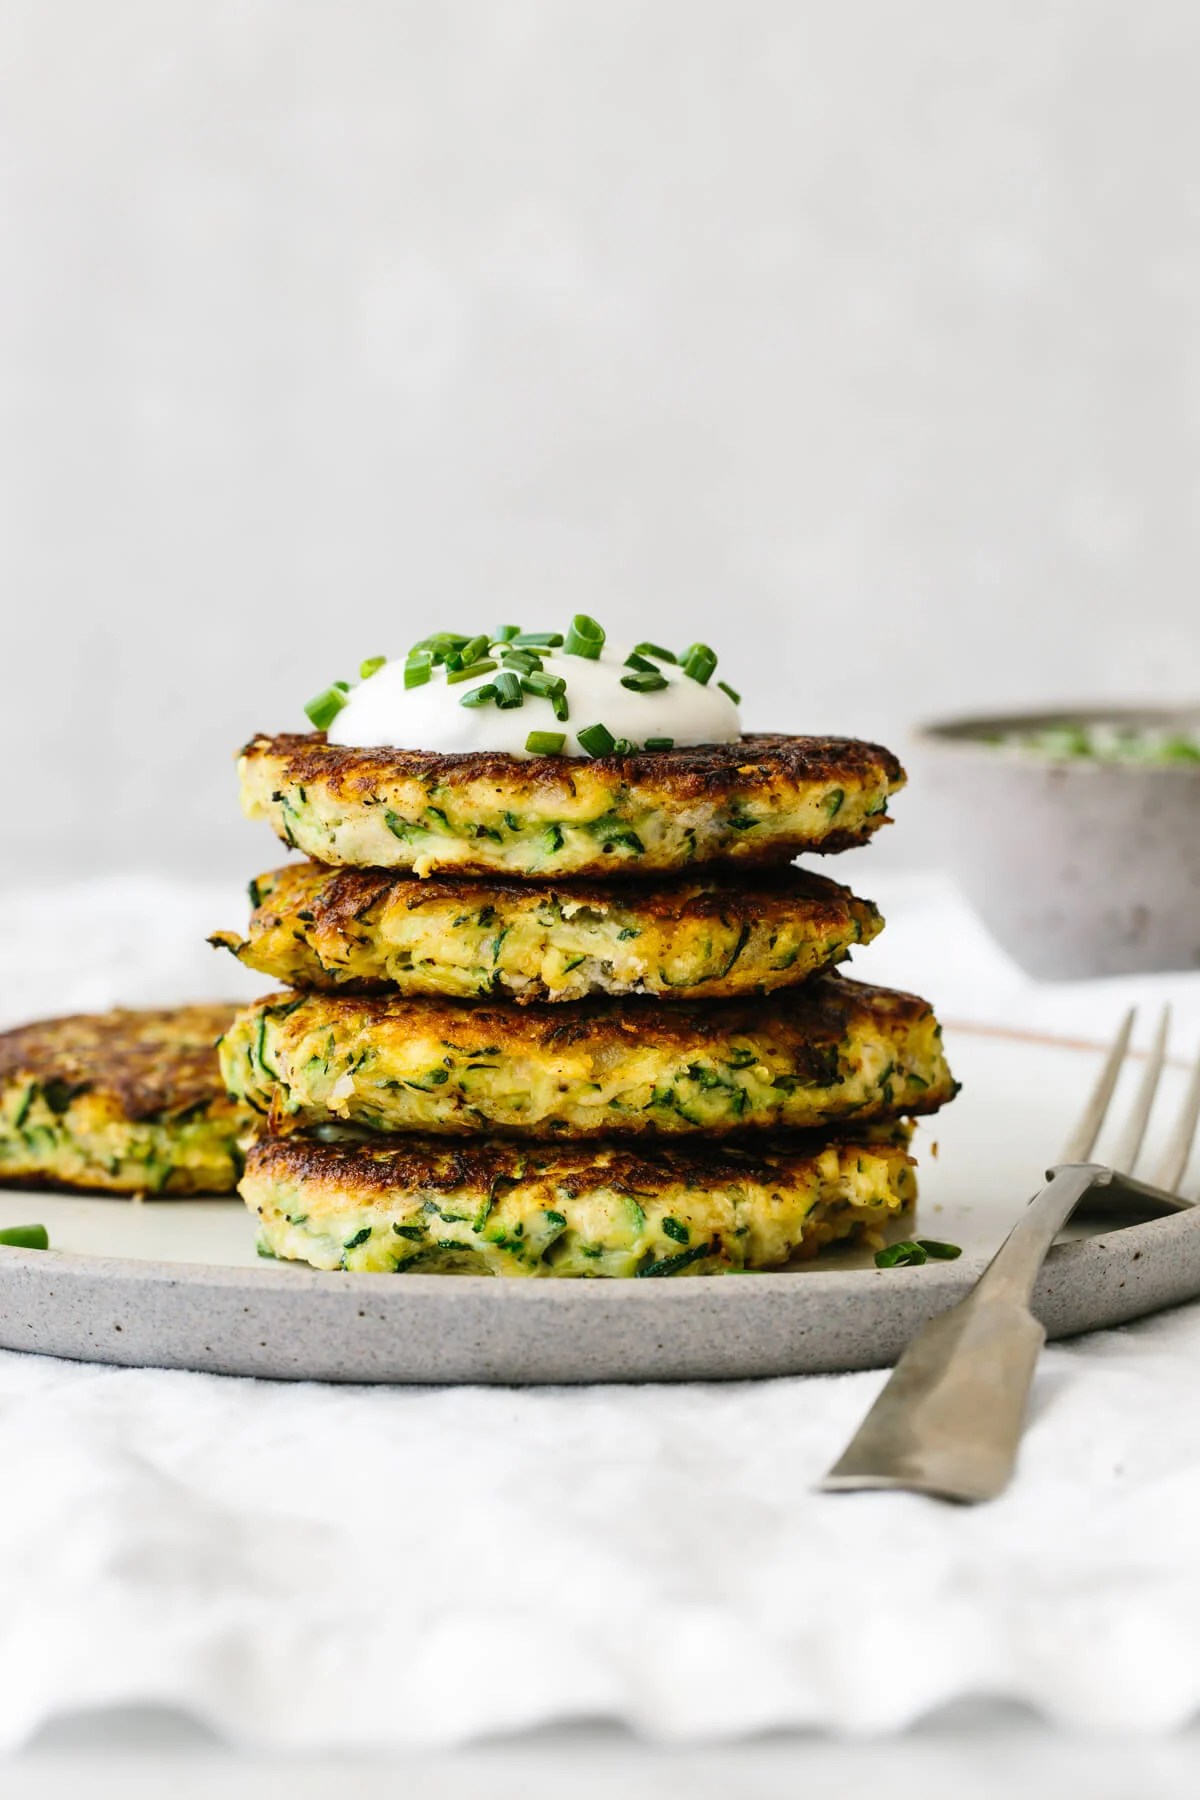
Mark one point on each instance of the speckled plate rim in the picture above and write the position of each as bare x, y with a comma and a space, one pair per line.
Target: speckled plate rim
301, 1324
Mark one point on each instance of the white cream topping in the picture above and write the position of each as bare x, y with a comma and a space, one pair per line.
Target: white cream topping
381, 711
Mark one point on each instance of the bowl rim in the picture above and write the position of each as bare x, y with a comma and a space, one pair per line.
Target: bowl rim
964, 734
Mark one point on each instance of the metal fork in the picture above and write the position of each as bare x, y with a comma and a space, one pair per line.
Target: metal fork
949, 1421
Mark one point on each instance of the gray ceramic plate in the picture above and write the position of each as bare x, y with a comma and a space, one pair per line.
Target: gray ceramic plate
177, 1284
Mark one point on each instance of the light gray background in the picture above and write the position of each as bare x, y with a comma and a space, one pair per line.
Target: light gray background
860, 339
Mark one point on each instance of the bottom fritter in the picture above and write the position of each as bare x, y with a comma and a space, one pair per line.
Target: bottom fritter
125, 1102
412, 1204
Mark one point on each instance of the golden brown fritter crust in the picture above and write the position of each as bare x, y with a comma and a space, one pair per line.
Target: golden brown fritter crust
762, 800
365, 1164
687, 773
124, 1102
707, 935
805, 1057
418, 1204
151, 1062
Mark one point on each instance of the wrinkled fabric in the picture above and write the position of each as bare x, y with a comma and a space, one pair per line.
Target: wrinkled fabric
312, 1568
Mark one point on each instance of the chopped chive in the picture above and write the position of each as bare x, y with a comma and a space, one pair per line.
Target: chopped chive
479, 696
418, 669
644, 684
477, 647
636, 661
370, 667
25, 1237
537, 682
324, 708
562, 711
731, 691
454, 659
585, 638
597, 740
508, 690
548, 640
483, 667
699, 661
900, 1256
624, 747
545, 743
343, 685
939, 1251
504, 634
525, 662
657, 651
441, 644
659, 744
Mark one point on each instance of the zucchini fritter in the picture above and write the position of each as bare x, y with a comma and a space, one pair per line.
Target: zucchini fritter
420, 1205
127, 1102
803, 1058
762, 800
699, 936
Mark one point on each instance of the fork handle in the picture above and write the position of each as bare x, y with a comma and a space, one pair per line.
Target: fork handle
1013, 1270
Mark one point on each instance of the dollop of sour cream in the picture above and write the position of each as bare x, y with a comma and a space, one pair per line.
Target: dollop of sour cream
381, 711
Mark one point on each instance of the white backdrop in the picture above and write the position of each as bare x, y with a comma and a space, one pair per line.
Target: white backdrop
859, 339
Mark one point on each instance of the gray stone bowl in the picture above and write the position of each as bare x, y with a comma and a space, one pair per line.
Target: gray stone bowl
1078, 867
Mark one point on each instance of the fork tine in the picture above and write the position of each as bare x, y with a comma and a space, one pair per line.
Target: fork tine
1125, 1155
1081, 1142
1178, 1152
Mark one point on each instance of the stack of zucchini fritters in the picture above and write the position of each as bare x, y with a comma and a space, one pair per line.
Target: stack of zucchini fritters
561, 1016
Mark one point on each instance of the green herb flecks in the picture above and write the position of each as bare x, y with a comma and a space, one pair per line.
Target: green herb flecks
597, 740
324, 707
699, 661
913, 1251
585, 638
472, 671
25, 1237
479, 696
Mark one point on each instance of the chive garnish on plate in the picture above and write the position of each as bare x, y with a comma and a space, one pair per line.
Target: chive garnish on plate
732, 692
545, 743
508, 690
656, 651
913, 1251
25, 1237
659, 744
370, 666
639, 683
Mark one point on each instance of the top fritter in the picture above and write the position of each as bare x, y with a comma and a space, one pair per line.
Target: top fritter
761, 800
545, 753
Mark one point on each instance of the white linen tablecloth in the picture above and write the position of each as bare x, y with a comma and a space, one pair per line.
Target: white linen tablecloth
310, 1568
